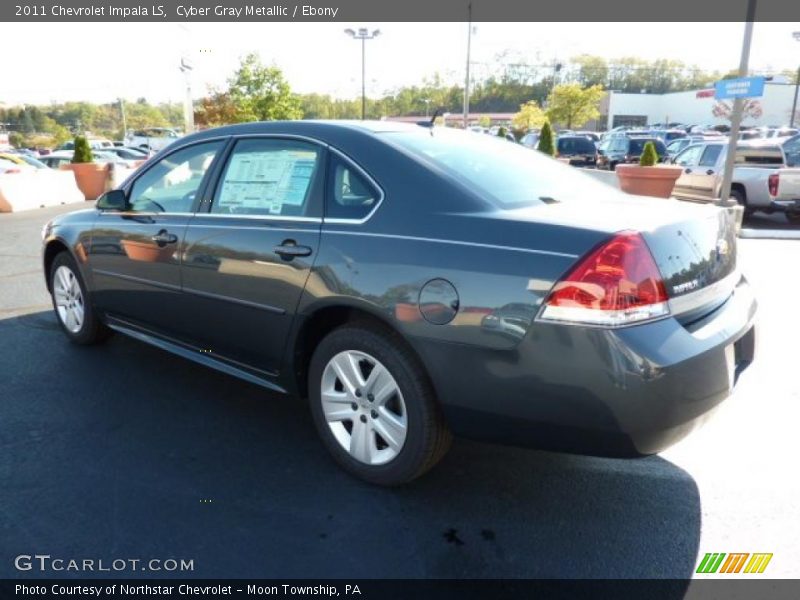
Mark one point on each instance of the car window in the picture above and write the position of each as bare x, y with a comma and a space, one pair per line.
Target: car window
710, 155
690, 156
170, 184
498, 173
350, 195
269, 177
791, 148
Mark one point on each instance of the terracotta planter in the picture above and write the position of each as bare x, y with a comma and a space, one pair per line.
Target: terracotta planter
648, 181
408, 313
147, 251
90, 177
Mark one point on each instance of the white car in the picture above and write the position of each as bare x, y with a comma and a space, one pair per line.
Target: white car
152, 138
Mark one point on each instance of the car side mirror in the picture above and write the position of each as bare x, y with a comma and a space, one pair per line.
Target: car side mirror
112, 200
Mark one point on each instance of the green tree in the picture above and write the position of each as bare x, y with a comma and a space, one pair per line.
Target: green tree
82, 152
546, 144
530, 116
261, 93
16, 139
572, 105
649, 155
484, 121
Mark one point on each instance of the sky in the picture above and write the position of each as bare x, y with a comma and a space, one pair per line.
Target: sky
133, 60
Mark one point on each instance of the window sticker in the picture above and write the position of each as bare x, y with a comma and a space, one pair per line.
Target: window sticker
267, 181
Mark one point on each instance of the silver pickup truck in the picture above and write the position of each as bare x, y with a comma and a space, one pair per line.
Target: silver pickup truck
703, 165
784, 191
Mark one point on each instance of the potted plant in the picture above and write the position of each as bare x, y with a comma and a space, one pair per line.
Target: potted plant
546, 140
90, 176
648, 178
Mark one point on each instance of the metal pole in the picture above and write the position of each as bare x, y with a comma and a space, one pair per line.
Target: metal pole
466, 81
738, 105
124, 120
363, 79
794, 104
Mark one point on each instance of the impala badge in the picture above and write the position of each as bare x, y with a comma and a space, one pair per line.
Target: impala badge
685, 287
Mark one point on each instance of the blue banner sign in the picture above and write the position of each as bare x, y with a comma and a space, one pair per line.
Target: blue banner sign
743, 87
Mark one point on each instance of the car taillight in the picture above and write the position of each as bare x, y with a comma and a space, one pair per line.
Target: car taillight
772, 182
615, 284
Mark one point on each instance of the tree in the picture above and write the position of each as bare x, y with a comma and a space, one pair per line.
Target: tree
572, 105
82, 152
546, 140
217, 109
16, 139
530, 116
484, 121
261, 93
724, 110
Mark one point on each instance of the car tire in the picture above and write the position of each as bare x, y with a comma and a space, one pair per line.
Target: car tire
72, 303
741, 200
374, 406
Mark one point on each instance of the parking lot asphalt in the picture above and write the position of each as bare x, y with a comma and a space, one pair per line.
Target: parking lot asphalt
125, 451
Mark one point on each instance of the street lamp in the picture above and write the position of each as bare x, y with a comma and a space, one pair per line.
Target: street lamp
795, 35
363, 34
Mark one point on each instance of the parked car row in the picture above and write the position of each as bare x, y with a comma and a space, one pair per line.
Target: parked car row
756, 183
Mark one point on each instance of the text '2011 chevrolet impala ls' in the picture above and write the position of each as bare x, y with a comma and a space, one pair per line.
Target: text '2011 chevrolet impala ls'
413, 282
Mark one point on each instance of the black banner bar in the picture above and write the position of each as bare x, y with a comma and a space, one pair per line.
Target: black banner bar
391, 10
404, 589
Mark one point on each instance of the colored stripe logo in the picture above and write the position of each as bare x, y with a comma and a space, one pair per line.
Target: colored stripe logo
720, 562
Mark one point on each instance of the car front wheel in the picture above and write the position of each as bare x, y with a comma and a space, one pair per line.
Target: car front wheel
72, 303
374, 407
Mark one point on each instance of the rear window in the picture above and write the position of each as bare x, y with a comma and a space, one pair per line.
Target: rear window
637, 146
576, 145
759, 155
507, 175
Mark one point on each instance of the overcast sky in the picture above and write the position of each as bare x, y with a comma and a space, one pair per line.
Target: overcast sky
141, 59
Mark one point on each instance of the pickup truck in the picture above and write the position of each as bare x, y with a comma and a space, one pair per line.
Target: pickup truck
784, 191
703, 165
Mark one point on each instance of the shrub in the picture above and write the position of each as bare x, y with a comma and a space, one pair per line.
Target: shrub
501, 132
82, 152
546, 140
649, 155
16, 139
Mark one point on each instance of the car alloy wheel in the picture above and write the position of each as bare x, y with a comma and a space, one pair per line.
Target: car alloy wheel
68, 299
364, 407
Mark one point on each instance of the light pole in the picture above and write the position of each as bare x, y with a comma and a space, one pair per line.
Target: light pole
796, 36
188, 107
363, 34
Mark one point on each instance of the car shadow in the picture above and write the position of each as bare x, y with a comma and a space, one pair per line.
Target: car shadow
125, 451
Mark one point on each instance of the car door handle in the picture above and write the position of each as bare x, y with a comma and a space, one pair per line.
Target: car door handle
687, 170
289, 250
164, 237
710, 172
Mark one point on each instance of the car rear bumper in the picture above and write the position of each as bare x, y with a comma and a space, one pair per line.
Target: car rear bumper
785, 205
610, 392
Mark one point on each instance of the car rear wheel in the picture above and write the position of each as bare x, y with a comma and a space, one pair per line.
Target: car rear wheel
72, 303
739, 195
374, 407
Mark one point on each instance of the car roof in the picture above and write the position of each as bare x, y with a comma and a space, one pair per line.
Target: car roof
309, 127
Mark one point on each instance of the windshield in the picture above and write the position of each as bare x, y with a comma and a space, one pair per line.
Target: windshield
508, 175
576, 145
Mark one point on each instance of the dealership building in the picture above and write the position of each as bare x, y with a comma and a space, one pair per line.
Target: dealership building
692, 107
